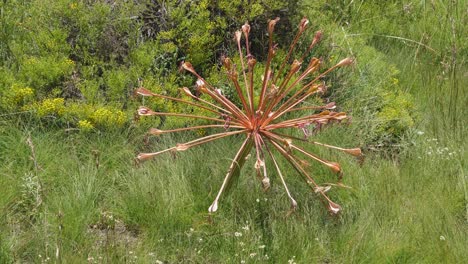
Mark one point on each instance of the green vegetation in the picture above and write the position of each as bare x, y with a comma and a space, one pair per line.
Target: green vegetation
72, 193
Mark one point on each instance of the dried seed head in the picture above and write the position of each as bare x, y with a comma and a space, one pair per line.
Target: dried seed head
322, 88
214, 207
330, 106
259, 163
266, 183
295, 66
315, 87
233, 75
187, 91
144, 156
333, 208
338, 116
271, 25
303, 24
227, 63
345, 62
251, 62
335, 167
143, 92
144, 111
314, 62
354, 151
293, 204
317, 37
200, 84
238, 36
155, 131
188, 67
246, 29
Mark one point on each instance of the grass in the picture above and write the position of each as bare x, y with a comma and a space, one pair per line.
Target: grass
87, 201
405, 211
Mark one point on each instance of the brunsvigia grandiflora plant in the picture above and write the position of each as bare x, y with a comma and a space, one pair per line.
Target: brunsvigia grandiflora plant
261, 116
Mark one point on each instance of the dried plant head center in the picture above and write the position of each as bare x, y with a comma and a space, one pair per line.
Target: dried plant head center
263, 114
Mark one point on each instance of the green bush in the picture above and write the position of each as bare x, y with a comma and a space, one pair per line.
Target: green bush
382, 110
80, 61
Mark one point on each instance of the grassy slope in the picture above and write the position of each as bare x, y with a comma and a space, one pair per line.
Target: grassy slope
410, 210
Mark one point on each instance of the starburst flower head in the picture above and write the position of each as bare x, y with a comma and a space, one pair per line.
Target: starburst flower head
268, 106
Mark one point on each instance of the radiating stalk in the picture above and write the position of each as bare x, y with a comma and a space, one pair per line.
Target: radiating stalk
293, 202
241, 56
155, 131
189, 144
145, 111
332, 207
292, 100
302, 27
233, 171
144, 92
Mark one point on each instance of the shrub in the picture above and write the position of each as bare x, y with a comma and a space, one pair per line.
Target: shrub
384, 110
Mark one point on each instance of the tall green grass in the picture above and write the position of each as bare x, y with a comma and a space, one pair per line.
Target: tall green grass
87, 200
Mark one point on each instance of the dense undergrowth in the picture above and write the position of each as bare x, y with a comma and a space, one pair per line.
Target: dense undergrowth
72, 193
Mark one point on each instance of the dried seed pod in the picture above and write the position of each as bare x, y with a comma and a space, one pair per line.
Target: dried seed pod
271, 25
303, 24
